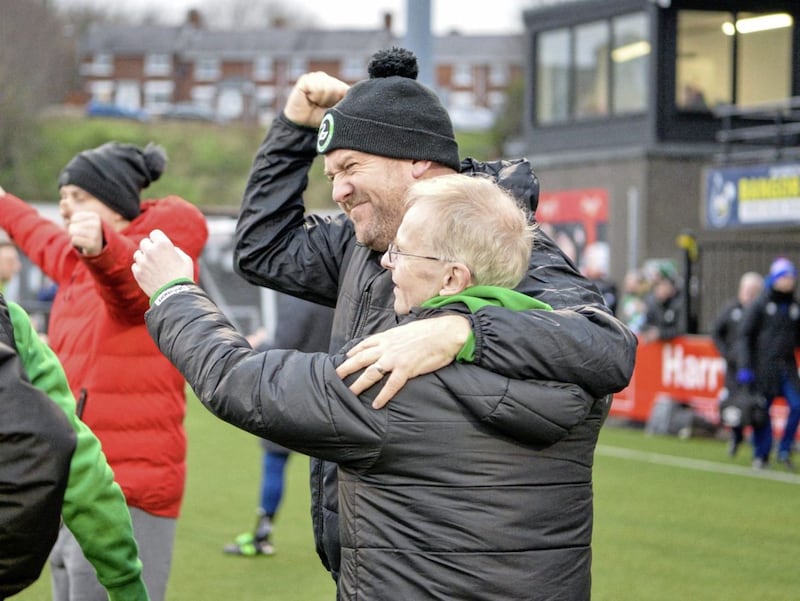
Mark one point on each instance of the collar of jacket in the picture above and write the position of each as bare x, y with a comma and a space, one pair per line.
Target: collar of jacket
477, 297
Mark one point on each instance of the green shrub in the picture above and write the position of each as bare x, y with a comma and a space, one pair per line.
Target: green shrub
208, 163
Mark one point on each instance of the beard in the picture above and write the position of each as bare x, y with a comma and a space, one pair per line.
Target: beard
378, 225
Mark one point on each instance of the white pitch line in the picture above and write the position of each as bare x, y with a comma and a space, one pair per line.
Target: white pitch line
696, 464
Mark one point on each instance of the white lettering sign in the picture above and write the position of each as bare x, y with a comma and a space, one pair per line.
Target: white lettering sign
690, 372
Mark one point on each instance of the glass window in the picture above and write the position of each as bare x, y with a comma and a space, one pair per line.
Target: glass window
265, 96
263, 68
763, 40
101, 90
553, 58
204, 96
704, 63
207, 69
462, 75
230, 103
353, 68
630, 63
157, 64
102, 65
499, 74
297, 66
496, 100
265, 101
462, 100
158, 96
127, 94
591, 69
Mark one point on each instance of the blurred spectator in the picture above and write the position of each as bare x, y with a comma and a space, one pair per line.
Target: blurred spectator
770, 334
693, 98
632, 307
664, 317
92, 506
129, 394
10, 265
724, 334
594, 265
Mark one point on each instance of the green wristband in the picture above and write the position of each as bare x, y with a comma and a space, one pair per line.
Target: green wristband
174, 282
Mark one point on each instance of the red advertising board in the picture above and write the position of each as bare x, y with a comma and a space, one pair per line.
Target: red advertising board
687, 369
575, 219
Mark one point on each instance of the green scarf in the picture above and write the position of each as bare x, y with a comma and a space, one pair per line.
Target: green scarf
477, 297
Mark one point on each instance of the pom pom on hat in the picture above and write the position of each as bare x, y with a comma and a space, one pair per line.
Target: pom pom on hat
115, 174
391, 115
393, 61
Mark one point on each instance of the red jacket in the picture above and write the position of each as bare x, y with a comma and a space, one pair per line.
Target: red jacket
136, 398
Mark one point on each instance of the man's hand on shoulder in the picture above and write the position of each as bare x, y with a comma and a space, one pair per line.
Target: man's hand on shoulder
311, 96
405, 352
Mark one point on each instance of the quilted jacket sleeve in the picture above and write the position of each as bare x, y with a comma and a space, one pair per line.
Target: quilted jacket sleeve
535, 413
181, 221
294, 399
578, 342
273, 238
44, 242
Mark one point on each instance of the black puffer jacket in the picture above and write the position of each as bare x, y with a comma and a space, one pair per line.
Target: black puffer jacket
319, 259
770, 332
36, 446
435, 504
724, 334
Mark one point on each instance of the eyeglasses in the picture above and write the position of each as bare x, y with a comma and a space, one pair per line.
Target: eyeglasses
392, 253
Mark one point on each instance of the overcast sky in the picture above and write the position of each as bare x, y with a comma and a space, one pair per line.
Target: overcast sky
467, 16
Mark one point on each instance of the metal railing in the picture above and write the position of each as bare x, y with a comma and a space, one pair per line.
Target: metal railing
769, 131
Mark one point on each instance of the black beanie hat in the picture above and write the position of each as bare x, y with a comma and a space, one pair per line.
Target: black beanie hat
115, 174
391, 114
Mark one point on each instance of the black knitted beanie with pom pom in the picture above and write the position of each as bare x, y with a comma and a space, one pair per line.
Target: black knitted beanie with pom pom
391, 114
115, 174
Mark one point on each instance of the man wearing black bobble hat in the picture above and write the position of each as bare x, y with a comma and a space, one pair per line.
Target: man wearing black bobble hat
379, 137
115, 174
128, 393
391, 115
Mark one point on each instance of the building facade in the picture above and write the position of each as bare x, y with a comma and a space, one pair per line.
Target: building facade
660, 128
247, 74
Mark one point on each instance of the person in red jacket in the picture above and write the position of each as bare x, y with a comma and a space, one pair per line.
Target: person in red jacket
130, 394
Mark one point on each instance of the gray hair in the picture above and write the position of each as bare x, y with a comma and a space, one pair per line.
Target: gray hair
475, 222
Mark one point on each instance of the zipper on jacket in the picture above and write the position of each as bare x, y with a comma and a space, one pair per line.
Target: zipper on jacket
363, 312
366, 304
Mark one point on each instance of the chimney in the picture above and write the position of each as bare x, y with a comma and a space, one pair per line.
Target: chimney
194, 19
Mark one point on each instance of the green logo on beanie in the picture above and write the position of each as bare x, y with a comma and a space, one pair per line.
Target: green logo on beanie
325, 134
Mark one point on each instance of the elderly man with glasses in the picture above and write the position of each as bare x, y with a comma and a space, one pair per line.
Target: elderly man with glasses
435, 502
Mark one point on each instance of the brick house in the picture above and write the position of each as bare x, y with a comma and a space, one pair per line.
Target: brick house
246, 74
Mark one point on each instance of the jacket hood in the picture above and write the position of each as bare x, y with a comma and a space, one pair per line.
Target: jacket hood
516, 176
193, 233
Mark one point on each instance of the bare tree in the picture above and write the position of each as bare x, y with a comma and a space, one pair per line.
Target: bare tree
255, 14
36, 65
510, 120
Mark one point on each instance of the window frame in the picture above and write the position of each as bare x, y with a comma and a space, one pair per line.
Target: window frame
604, 73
